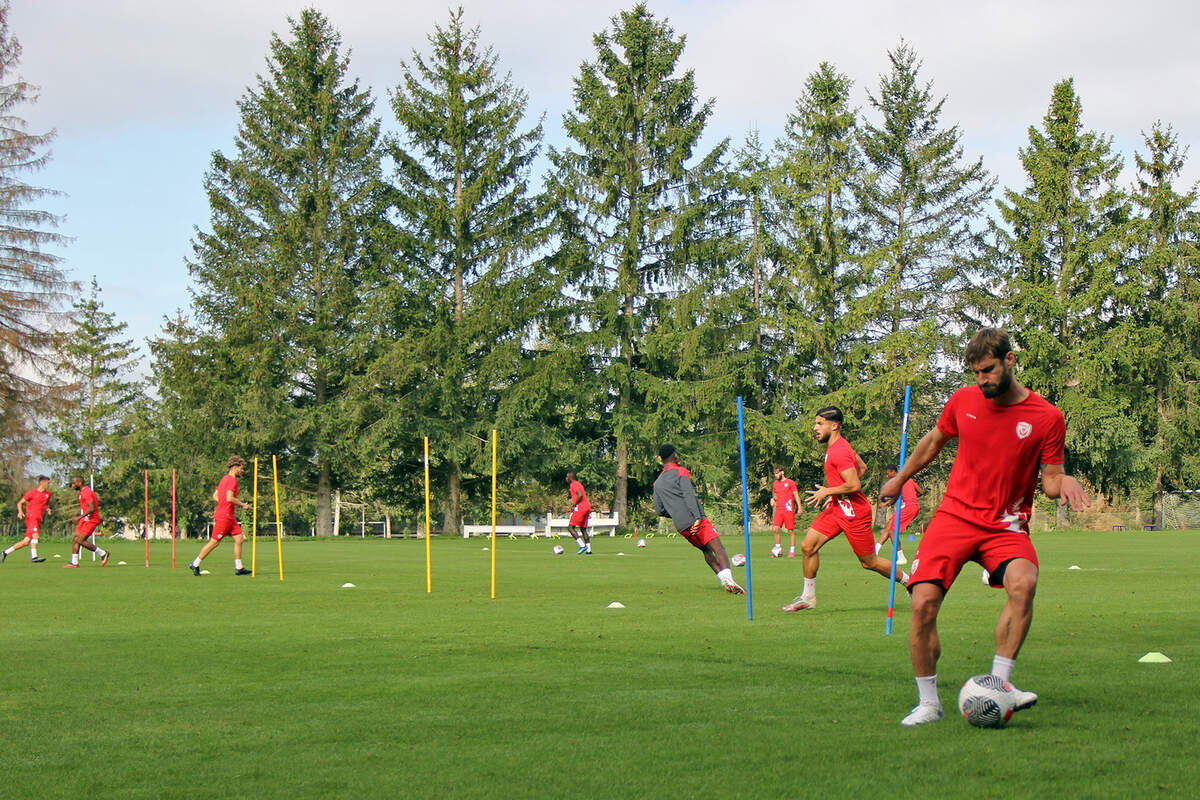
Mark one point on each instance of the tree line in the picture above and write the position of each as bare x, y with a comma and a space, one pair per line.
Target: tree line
358, 288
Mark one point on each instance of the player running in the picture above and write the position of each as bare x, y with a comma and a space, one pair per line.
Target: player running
224, 521
1007, 434
580, 509
675, 497
909, 508
85, 523
785, 499
845, 509
32, 506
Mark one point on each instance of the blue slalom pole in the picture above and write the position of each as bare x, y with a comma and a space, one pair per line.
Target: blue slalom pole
899, 507
745, 510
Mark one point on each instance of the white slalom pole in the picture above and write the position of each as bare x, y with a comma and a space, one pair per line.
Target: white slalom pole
899, 507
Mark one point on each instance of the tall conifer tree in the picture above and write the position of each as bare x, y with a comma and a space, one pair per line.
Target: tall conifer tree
639, 251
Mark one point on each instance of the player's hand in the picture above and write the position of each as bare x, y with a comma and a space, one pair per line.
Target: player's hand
889, 491
695, 527
20, 515
815, 495
1072, 492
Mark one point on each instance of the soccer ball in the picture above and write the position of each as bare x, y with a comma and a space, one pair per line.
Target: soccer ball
558, 550
738, 560
986, 701
641, 543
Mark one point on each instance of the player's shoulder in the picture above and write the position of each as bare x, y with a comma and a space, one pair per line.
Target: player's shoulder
1036, 401
683, 471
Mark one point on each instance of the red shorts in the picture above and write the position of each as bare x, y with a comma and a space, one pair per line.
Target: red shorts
950, 542
225, 526
703, 535
579, 516
907, 515
784, 518
32, 526
858, 530
86, 527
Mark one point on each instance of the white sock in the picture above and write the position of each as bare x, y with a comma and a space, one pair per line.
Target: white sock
33, 551
578, 541
792, 549
8, 551
74, 558
725, 576
196, 561
101, 553
237, 563
810, 588
878, 546
927, 691
1002, 667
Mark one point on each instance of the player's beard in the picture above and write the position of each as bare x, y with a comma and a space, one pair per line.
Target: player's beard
1001, 387
823, 438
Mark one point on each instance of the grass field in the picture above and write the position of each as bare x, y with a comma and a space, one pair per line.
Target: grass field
128, 682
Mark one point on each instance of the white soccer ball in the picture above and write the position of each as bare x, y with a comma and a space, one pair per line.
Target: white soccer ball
986, 701
738, 560
557, 550
641, 543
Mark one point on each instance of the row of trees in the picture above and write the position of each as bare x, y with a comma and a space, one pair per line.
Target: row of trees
356, 290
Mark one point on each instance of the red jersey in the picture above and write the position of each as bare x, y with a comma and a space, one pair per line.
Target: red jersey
86, 498
839, 457
225, 507
785, 494
36, 503
578, 495
1001, 449
908, 496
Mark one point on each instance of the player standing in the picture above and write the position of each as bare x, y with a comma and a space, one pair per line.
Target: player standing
785, 499
1007, 434
675, 497
85, 523
845, 509
580, 509
909, 508
224, 521
32, 506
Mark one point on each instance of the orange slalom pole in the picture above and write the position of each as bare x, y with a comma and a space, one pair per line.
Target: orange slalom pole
146, 506
278, 519
172, 519
428, 550
254, 524
494, 440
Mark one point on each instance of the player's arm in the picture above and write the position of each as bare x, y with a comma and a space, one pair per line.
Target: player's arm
229, 497
851, 483
1064, 488
20, 508
925, 452
860, 466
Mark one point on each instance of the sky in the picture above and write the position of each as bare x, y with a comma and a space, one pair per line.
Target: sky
141, 93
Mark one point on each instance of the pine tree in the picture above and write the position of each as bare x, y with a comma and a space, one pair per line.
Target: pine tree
285, 278
33, 286
97, 363
469, 226
640, 251
1063, 243
1157, 316
923, 207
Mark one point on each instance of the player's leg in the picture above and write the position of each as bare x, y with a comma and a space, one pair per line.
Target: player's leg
777, 548
218, 533
706, 540
792, 539
76, 541
33, 544
925, 648
14, 548
1019, 578
238, 537
810, 549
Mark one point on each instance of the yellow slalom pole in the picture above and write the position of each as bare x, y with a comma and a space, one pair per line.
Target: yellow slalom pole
428, 552
254, 524
494, 440
278, 519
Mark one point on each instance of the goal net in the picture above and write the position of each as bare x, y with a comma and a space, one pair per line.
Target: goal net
1181, 509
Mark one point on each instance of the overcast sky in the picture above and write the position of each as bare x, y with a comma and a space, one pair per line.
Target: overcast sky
141, 92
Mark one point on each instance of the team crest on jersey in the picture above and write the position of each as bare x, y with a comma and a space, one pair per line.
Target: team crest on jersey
1023, 430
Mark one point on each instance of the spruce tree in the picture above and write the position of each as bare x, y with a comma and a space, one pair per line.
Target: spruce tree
285, 278
97, 365
468, 226
644, 249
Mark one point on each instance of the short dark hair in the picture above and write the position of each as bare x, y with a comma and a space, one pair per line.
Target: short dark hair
77, 478
43, 478
832, 413
570, 476
666, 451
988, 342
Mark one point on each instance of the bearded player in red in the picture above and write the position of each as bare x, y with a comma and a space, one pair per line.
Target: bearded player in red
580, 509
785, 499
1007, 435
85, 524
224, 521
845, 509
32, 506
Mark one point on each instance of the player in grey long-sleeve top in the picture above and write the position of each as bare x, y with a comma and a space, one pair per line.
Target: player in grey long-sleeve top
675, 497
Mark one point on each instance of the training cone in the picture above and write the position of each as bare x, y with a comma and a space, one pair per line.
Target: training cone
615, 604
1074, 566
348, 586
1154, 658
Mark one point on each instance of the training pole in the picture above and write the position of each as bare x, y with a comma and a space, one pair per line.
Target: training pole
494, 462
172, 519
278, 519
899, 507
146, 506
745, 509
254, 524
428, 549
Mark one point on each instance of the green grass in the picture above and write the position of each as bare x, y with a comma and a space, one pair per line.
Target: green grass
127, 682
